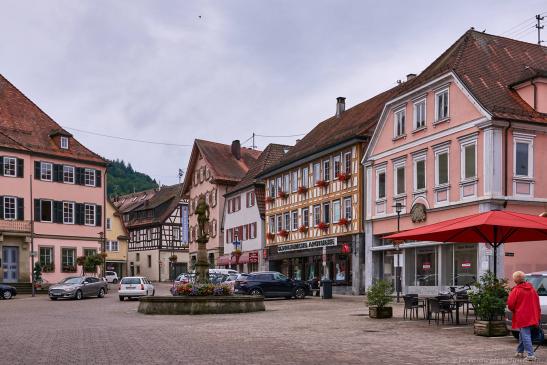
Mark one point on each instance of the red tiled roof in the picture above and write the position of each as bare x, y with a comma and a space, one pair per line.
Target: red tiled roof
487, 65
224, 166
29, 128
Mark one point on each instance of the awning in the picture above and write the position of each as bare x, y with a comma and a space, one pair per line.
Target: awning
231, 260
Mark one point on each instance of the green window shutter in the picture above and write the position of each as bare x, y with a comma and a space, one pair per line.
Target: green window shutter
20, 167
37, 210
20, 209
1, 207
37, 166
1, 166
98, 215
58, 212
98, 178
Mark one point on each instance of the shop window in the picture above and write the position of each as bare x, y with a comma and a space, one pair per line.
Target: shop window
459, 264
426, 266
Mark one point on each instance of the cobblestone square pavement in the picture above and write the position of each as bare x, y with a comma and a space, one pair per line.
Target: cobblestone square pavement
310, 331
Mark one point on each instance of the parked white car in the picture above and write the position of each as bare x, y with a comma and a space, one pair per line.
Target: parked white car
111, 277
539, 282
134, 287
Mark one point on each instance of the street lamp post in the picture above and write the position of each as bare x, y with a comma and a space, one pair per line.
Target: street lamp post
103, 251
237, 246
398, 209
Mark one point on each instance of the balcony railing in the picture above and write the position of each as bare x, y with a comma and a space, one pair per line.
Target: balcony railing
14, 226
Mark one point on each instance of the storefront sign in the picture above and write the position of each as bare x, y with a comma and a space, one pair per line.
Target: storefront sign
253, 257
327, 242
466, 265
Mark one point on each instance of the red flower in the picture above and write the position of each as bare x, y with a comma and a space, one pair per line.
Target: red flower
270, 236
302, 229
343, 222
302, 190
269, 199
343, 177
323, 226
283, 233
282, 194
322, 183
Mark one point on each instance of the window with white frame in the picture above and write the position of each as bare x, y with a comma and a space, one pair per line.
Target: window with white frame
348, 213
89, 214
68, 213
347, 163
46, 256
316, 172
326, 213
279, 219
10, 208
336, 162
109, 223
524, 156
46, 171
64, 143
294, 181
305, 217
68, 174
272, 224
316, 215
279, 184
441, 167
326, 170
287, 221
469, 160
419, 114
89, 177
441, 105
250, 199
419, 173
286, 183
399, 122
272, 188
381, 184
305, 177
294, 220
112, 246
10, 166
336, 211
399, 178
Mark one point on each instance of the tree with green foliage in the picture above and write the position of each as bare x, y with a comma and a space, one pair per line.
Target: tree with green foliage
123, 179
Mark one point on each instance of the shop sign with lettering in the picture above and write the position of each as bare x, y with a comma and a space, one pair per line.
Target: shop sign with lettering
306, 245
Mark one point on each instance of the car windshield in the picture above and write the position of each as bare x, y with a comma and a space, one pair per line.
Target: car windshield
539, 282
72, 281
131, 281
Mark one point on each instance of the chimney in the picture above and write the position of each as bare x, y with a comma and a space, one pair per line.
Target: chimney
236, 149
340, 106
410, 77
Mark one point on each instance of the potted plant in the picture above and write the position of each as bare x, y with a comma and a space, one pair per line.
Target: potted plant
269, 199
303, 229
378, 297
322, 183
282, 194
283, 233
489, 300
270, 236
323, 226
343, 222
302, 190
173, 258
343, 176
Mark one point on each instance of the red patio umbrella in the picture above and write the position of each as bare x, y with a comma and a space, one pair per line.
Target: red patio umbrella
494, 227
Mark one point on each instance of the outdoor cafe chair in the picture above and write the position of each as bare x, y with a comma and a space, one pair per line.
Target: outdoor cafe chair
411, 306
437, 308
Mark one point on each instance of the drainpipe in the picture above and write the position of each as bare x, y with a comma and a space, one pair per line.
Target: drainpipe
32, 234
505, 169
535, 94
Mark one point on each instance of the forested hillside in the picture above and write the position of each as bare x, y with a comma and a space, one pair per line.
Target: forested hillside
122, 179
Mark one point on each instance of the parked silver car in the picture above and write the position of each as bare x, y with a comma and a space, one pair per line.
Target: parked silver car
78, 287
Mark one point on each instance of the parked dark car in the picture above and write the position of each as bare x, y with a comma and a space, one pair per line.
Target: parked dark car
7, 291
78, 287
271, 284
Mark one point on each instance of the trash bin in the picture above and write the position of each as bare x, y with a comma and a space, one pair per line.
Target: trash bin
326, 289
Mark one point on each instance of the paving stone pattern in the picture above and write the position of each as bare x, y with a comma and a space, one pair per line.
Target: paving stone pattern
310, 331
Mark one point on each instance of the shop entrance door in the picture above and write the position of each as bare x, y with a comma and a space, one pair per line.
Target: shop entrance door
11, 264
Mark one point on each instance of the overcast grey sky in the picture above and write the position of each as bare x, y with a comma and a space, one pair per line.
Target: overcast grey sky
173, 71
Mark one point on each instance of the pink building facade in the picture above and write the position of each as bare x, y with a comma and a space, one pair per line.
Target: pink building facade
458, 139
51, 193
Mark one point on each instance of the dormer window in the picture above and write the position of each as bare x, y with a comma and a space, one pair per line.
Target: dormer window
442, 111
399, 121
64, 143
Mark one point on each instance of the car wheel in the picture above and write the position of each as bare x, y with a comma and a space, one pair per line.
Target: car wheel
300, 293
6, 294
256, 292
101, 293
115, 281
121, 298
78, 295
515, 334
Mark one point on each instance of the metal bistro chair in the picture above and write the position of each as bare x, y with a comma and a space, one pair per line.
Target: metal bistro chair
466, 306
420, 304
411, 305
437, 308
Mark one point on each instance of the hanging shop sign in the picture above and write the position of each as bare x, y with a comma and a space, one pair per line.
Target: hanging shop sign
306, 245
253, 257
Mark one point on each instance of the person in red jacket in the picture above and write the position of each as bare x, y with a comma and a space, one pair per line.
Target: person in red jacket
523, 301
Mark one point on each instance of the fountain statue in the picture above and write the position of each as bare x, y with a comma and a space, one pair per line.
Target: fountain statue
202, 265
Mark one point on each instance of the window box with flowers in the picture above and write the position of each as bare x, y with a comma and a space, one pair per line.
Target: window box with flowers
282, 195
269, 199
270, 236
283, 233
343, 176
323, 226
69, 268
303, 229
48, 268
322, 183
302, 190
343, 222
173, 258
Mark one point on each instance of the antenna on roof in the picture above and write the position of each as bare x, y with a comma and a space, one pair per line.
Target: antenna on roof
181, 174
539, 27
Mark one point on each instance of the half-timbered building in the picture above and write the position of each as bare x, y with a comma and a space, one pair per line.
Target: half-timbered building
157, 221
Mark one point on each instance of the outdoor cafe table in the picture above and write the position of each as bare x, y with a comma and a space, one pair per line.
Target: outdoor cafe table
456, 302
